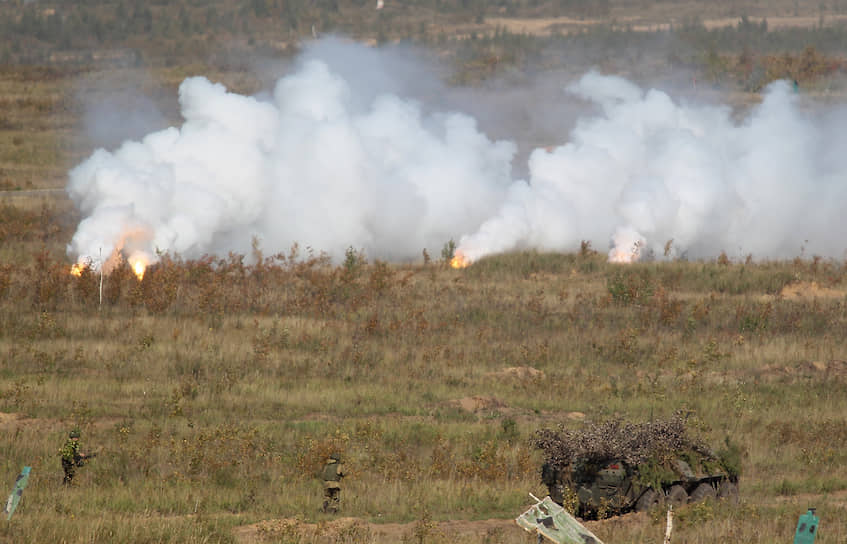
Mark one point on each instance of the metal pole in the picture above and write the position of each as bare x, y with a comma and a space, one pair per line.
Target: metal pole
101, 279
669, 526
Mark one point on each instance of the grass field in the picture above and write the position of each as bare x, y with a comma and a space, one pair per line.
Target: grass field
212, 390
212, 393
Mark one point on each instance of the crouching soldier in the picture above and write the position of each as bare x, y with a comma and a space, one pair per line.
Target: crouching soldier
332, 474
72, 457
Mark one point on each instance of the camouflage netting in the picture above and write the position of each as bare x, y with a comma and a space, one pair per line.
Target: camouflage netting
633, 443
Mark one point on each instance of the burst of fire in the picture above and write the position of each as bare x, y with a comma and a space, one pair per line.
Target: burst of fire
626, 254
459, 260
628, 245
76, 270
139, 265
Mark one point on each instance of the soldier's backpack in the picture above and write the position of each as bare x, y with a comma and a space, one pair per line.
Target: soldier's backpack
330, 473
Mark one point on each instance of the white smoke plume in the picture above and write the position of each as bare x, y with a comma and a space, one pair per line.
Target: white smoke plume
662, 178
347, 151
325, 162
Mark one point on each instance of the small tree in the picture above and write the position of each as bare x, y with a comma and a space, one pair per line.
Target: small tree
448, 251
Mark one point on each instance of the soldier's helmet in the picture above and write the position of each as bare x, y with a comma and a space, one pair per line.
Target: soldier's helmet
74, 434
335, 457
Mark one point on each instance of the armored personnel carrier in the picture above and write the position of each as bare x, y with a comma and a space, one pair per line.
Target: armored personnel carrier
614, 468
615, 487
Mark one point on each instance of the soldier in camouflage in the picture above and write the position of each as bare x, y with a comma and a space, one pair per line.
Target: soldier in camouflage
72, 457
332, 474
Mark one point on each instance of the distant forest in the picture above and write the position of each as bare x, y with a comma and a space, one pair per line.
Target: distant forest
220, 32
31, 31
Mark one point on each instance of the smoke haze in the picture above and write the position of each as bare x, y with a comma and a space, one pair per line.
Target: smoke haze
324, 162
365, 148
646, 171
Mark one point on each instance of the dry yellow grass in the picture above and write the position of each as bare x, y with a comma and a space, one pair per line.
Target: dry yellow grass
213, 400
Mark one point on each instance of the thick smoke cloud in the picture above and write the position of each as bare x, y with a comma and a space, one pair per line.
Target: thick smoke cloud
647, 171
325, 162
351, 149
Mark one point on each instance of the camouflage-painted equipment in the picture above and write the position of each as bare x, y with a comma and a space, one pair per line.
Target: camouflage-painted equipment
554, 523
330, 472
616, 488
82, 460
17, 493
807, 528
612, 468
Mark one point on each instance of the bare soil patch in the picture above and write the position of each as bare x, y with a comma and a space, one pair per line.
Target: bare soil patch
481, 404
519, 372
18, 421
542, 26
545, 26
354, 529
478, 403
803, 370
350, 529
8, 419
809, 290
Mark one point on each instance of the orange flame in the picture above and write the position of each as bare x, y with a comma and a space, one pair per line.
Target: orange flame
76, 269
459, 260
626, 255
139, 265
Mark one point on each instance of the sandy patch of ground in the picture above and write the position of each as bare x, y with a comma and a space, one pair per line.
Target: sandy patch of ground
804, 370
483, 405
518, 372
348, 529
809, 290
17, 422
542, 26
357, 530
545, 26
477, 403
8, 420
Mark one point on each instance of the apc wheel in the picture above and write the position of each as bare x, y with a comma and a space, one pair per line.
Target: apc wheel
728, 491
702, 492
648, 500
677, 495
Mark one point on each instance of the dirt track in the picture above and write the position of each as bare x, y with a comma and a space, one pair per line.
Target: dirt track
356, 530
347, 529
545, 26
